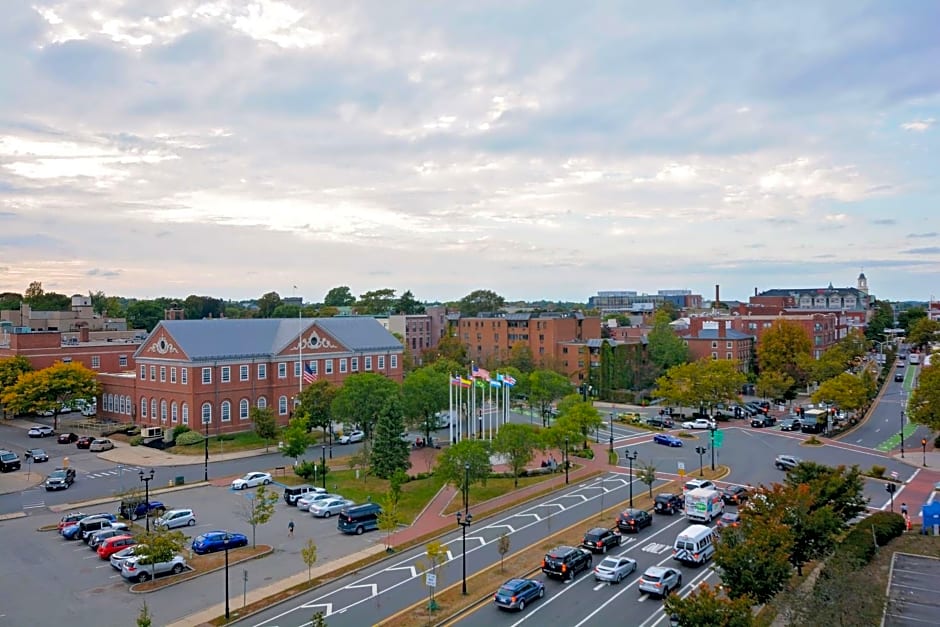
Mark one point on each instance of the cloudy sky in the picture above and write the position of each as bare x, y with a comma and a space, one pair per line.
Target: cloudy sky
539, 149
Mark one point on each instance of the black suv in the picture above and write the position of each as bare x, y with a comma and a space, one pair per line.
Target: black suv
763, 421
667, 503
60, 479
599, 539
566, 562
664, 422
9, 461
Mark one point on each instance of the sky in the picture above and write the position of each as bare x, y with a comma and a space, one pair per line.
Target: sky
542, 150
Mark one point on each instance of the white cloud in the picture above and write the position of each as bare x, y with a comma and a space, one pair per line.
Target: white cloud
918, 126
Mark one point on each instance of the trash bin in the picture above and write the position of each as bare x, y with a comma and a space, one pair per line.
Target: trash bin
179, 481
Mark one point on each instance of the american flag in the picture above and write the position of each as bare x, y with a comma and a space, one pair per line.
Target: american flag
479, 373
309, 375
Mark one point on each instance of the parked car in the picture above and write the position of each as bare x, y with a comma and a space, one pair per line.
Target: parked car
614, 569
71, 518
9, 461
515, 593
132, 509
790, 424
734, 494
761, 420
328, 507
667, 503
664, 422
667, 439
786, 462
305, 502
101, 444
133, 570
294, 492
88, 529
212, 541
632, 520
600, 539
699, 423
252, 480
566, 562
40, 431
84, 441
66, 438
36, 454
117, 559
352, 437
89, 523
60, 479
660, 581
694, 484
97, 537
115, 544
176, 518
728, 519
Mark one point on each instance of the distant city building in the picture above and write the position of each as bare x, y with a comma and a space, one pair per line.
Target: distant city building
101, 351
718, 340
627, 301
81, 315
822, 329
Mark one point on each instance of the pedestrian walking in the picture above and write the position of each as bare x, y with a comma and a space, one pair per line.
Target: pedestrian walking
290, 529
903, 509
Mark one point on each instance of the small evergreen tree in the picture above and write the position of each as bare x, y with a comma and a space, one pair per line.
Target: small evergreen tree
390, 452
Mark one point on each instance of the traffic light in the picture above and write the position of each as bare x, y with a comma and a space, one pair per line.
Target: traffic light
891, 488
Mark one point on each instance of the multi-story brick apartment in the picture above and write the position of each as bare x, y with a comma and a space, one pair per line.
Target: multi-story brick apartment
823, 329
196, 372
716, 339
489, 338
81, 316
852, 305
579, 358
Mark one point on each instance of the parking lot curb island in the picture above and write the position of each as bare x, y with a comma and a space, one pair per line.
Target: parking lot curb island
176, 582
108, 499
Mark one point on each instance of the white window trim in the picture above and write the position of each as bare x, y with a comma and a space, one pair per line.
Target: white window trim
343, 365
393, 361
162, 374
244, 372
368, 365
184, 410
202, 414
143, 372
262, 372
282, 370
225, 411
184, 376
328, 366
282, 406
143, 406
173, 374
226, 375
296, 369
153, 373
354, 365
207, 375
244, 409
381, 362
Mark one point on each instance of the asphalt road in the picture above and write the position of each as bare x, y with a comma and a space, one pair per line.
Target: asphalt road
378, 591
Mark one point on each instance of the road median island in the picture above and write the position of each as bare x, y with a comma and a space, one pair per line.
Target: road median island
452, 605
203, 565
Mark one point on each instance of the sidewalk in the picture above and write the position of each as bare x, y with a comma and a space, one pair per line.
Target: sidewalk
11, 482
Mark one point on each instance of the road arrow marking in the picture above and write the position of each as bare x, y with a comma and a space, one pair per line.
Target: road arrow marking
370, 586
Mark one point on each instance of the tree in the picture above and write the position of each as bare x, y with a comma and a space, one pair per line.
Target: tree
390, 452
842, 595
546, 387
11, 369
449, 347
318, 620
703, 383
451, 463
316, 405
437, 557
846, 390
882, 318
520, 356
839, 487
376, 302
786, 348
502, 547
754, 558
33, 293
425, 392
199, 307
257, 509
145, 314
10, 301
144, 619
407, 304
285, 310
296, 438
479, 301
705, 607
665, 348
340, 296
308, 553
923, 333
361, 398
267, 304
908, 317
389, 518
50, 389
578, 417
265, 424
159, 545
773, 384
647, 474
924, 407
518, 443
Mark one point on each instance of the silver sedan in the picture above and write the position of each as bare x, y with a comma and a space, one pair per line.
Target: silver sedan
614, 569
326, 508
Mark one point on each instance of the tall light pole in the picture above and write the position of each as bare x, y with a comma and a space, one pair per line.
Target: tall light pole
566, 460
901, 433
464, 522
225, 541
323, 465
923, 445
206, 440
610, 422
630, 459
713, 429
146, 479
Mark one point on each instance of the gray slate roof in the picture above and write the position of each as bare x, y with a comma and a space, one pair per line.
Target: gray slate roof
265, 337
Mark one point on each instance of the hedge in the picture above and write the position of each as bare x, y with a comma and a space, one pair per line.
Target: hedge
189, 437
859, 545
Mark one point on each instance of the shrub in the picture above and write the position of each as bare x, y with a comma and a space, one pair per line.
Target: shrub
859, 545
877, 471
136, 440
305, 469
178, 430
585, 453
188, 438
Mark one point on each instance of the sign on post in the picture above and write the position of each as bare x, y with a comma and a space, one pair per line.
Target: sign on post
718, 438
681, 469
430, 579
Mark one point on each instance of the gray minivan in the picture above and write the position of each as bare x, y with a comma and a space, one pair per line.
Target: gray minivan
359, 518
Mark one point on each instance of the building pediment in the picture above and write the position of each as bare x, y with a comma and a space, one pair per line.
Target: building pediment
312, 341
161, 345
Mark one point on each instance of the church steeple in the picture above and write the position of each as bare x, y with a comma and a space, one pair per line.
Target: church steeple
862, 283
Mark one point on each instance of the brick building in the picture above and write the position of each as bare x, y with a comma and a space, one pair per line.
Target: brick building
718, 340
195, 372
101, 351
489, 338
80, 316
823, 329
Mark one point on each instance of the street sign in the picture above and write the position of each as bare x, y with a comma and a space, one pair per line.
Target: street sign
718, 438
431, 580
681, 468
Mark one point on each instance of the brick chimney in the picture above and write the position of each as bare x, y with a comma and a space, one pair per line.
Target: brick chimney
83, 334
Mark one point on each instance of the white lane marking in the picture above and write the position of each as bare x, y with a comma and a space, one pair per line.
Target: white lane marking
601, 585
374, 588
511, 530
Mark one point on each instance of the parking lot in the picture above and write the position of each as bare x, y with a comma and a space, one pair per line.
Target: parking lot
912, 590
42, 565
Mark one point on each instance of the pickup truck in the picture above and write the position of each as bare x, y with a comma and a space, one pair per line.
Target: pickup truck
566, 562
132, 510
132, 570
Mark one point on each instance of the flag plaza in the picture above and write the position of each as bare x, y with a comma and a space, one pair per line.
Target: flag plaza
493, 402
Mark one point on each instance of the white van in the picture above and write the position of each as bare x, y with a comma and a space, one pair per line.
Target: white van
695, 545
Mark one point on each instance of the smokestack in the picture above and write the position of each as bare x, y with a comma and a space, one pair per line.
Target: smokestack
717, 293
755, 291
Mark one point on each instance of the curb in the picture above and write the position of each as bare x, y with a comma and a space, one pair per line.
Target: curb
29, 486
77, 505
206, 572
12, 516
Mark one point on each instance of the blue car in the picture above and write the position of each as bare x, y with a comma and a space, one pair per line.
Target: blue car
515, 593
212, 541
667, 439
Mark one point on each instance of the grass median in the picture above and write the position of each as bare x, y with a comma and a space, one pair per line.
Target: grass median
482, 584
204, 564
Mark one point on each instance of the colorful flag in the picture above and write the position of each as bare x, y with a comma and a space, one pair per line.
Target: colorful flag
495, 383
508, 380
480, 373
499, 377
309, 375
480, 383
465, 383
455, 380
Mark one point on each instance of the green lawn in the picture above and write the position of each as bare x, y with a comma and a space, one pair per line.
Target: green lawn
495, 487
229, 443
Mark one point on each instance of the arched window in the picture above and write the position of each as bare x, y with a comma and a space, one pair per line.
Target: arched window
153, 409
282, 406
122, 405
206, 413
163, 411
243, 406
226, 411
128, 404
143, 406
185, 411
262, 402
174, 412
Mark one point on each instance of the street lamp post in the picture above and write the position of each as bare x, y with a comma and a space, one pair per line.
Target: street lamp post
901, 434
566, 460
713, 445
323, 465
464, 522
146, 479
225, 541
923, 445
611, 424
206, 440
701, 466
630, 457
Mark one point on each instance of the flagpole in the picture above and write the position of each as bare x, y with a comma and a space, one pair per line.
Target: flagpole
300, 347
450, 408
459, 409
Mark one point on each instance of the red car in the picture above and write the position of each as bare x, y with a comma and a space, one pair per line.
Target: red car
84, 441
112, 545
70, 519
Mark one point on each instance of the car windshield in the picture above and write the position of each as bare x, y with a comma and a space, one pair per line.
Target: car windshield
57, 474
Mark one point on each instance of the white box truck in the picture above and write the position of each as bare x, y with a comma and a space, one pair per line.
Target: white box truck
703, 504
